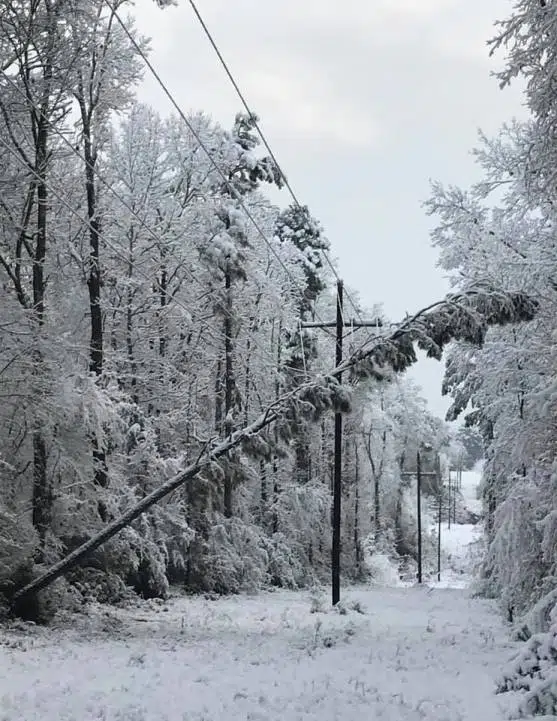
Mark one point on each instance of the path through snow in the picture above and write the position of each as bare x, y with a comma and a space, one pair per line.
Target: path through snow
416, 653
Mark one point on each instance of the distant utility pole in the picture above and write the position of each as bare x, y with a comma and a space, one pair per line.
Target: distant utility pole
449, 503
419, 476
419, 490
339, 324
440, 492
455, 486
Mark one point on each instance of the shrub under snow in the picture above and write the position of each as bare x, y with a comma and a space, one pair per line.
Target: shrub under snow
533, 673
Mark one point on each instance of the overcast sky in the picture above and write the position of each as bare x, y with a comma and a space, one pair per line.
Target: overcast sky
363, 102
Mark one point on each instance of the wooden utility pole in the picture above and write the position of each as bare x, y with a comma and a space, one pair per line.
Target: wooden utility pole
339, 324
419, 491
449, 503
440, 491
439, 535
420, 475
337, 480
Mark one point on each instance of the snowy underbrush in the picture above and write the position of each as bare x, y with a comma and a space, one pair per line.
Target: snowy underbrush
231, 557
239, 557
531, 676
384, 570
391, 559
18, 542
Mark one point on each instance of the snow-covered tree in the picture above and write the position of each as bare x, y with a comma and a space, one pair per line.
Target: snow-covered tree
502, 231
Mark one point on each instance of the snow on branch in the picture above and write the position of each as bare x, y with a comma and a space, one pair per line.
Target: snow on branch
464, 316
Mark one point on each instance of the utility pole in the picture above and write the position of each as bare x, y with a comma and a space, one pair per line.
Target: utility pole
337, 480
339, 324
439, 535
440, 491
420, 475
419, 491
455, 488
449, 503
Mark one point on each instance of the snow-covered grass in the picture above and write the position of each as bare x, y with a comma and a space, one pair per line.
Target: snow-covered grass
415, 653
398, 654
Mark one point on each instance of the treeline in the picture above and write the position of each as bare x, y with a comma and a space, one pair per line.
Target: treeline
502, 231
151, 303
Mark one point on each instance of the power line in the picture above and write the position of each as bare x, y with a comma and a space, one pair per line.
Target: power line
264, 139
242, 98
202, 145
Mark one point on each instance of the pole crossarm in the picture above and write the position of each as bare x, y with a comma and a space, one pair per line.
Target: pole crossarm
422, 474
348, 323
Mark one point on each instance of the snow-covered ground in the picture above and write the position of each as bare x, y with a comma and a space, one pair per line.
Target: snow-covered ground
458, 557
470, 482
414, 653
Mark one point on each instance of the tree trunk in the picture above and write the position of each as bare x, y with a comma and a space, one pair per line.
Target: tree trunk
276, 482
42, 487
96, 357
218, 397
94, 279
163, 298
377, 491
228, 389
302, 456
376, 473
247, 372
357, 543
264, 493
129, 318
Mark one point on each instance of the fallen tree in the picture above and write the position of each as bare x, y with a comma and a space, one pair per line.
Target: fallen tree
464, 316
